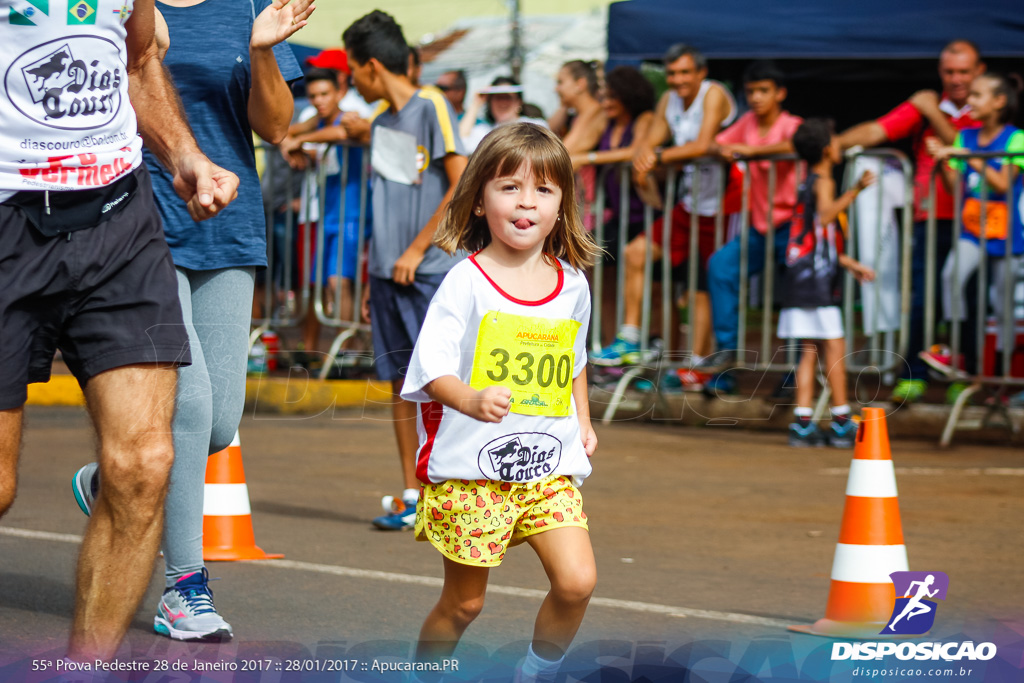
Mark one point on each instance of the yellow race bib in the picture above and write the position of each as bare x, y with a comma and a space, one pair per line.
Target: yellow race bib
531, 356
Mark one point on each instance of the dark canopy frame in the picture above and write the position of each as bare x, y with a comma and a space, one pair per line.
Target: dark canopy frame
849, 59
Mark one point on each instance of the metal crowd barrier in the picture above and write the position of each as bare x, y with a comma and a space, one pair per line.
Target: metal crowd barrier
309, 299
770, 355
1005, 322
879, 352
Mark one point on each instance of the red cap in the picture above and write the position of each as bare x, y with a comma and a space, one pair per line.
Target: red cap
331, 58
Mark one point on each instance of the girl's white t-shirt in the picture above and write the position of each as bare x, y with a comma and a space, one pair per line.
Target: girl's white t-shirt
480, 334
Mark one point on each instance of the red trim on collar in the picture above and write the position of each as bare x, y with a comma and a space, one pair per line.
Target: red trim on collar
549, 297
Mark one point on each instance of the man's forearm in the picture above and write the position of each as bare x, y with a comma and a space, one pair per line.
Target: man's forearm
867, 134
162, 122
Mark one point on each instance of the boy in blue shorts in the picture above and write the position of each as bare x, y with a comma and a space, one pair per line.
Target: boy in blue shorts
417, 158
325, 90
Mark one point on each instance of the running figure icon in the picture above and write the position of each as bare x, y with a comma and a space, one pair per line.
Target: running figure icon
914, 606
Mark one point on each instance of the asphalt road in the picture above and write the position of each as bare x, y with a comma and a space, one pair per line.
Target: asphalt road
708, 542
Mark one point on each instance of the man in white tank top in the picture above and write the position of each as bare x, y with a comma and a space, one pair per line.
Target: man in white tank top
690, 113
87, 270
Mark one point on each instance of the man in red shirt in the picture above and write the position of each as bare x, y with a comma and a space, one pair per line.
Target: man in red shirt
925, 115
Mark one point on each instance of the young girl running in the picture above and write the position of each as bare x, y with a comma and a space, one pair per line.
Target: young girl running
499, 373
811, 285
991, 188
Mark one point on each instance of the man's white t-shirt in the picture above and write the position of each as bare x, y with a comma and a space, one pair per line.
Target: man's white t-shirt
480, 334
67, 123
685, 124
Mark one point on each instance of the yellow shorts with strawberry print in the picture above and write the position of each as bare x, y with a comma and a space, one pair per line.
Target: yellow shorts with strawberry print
475, 522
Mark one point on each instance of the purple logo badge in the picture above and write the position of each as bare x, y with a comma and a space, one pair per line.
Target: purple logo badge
914, 613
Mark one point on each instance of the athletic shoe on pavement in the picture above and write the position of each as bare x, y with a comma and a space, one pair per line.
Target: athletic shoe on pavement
693, 380
402, 515
908, 391
186, 611
805, 434
842, 432
85, 485
719, 385
668, 383
619, 352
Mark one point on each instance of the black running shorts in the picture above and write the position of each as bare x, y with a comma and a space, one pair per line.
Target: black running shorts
106, 296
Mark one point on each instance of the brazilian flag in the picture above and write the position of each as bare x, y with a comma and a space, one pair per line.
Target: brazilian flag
81, 12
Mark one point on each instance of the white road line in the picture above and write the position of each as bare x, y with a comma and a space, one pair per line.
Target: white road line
632, 605
391, 577
934, 471
40, 535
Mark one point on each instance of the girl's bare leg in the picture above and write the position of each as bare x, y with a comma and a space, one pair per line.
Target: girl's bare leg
568, 560
462, 598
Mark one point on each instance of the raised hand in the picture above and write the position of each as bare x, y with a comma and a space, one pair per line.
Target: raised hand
279, 21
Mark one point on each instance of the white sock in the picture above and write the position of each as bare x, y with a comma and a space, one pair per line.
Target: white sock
843, 410
803, 412
410, 496
536, 669
630, 333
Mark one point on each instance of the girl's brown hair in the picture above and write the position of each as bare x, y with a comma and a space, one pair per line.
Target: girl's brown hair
501, 153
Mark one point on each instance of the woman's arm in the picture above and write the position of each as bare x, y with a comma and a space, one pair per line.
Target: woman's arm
559, 121
586, 131
270, 100
470, 116
611, 156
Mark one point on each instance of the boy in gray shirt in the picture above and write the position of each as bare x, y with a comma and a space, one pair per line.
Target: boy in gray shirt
417, 158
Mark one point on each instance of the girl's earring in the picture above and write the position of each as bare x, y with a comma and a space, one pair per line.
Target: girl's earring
479, 211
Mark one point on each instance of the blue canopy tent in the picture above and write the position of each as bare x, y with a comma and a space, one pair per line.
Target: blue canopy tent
868, 54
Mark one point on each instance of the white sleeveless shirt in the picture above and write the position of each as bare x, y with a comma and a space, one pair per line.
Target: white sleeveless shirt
685, 123
67, 121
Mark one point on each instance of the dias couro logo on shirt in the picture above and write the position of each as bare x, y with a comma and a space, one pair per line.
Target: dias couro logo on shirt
520, 457
72, 83
913, 614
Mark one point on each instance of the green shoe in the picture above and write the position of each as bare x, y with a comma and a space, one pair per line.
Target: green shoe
909, 390
954, 391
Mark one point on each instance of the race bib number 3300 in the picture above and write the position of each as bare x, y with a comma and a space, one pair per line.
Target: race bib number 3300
531, 356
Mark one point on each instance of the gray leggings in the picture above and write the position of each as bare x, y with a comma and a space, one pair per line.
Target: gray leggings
217, 306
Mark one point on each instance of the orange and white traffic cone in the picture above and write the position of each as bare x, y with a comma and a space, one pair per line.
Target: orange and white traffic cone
870, 547
227, 517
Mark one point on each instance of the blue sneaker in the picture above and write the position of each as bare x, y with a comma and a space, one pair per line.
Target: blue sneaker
402, 516
186, 611
619, 352
805, 434
719, 385
668, 383
85, 485
842, 433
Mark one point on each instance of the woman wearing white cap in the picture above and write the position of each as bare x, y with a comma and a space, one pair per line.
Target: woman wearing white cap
502, 102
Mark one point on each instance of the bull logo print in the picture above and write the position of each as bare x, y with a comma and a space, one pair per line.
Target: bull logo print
72, 82
522, 457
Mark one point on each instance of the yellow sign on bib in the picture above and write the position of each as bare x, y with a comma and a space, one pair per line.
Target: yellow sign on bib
531, 356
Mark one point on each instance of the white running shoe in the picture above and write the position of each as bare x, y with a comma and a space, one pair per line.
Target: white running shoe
186, 611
